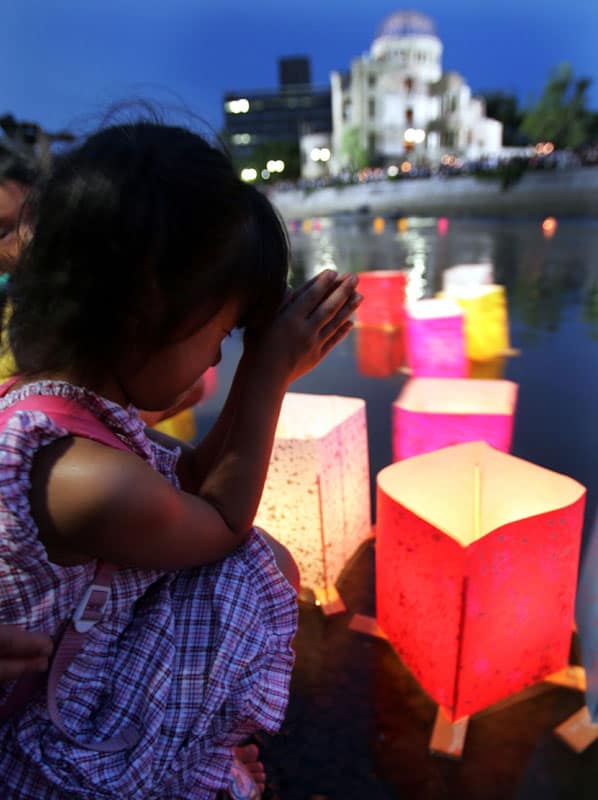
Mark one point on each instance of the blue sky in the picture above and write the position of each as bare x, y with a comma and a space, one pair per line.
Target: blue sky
65, 61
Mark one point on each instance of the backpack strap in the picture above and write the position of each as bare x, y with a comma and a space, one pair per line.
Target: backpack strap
79, 421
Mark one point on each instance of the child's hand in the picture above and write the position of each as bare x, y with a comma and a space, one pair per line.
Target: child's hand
22, 651
311, 321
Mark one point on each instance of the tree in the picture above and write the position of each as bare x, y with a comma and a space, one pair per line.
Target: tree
503, 107
560, 116
352, 151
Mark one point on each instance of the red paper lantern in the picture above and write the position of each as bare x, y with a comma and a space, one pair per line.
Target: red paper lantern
380, 352
383, 298
476, 566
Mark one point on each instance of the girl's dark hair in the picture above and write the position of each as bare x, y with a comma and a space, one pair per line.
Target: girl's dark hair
135, 229
17, 167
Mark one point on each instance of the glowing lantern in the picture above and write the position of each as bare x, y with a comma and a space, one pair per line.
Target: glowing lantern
380, 351
467, 275
378, 225
435, 339
432, 413
549, 226
476, 566
316, 499
486, 320
383, 298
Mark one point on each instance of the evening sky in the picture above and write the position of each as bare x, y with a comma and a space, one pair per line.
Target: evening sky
65, 61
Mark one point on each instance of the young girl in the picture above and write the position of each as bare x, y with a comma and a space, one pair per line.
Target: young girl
148, 251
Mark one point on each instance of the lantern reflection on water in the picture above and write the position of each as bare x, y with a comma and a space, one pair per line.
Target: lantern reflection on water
435, 339
476, 565
383, 298
432, 413
380, 351
316, 499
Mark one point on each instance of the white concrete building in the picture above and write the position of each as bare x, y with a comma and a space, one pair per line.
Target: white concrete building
398, 99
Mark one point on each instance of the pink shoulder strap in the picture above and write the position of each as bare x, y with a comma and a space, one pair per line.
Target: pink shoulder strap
79, 421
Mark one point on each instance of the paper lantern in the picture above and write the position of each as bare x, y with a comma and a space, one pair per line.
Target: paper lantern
380, 352
432, 413
435, 339
464, 276
486, 320
492, 369
476, 565
383, 298
316, 499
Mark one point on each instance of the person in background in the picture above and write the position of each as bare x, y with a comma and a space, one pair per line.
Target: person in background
147, 251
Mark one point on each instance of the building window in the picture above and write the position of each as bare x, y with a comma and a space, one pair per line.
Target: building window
409, 85
372, 80
372, 108
371, 143
409, 117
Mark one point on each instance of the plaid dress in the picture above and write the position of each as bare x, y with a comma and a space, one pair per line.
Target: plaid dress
197, 659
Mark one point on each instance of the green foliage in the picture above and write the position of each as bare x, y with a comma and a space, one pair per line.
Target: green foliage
352, 151
503, 107
560, 115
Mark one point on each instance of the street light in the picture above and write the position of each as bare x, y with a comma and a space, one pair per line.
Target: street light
248, 174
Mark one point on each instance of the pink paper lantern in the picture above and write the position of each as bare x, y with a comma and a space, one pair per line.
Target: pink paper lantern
316, 498
383, 298
476, 568
432, 413
435, 339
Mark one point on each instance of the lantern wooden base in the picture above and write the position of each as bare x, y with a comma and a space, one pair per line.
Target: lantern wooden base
578, 732
448, 738
329, 601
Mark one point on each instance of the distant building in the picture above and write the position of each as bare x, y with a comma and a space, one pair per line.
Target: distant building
266, 116
398, 99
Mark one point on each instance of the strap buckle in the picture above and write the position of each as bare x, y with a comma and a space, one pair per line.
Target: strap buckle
90, 608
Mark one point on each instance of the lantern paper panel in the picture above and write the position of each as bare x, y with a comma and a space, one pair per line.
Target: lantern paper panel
466, 275
432, 413
476, 565
316, 499
383, 298
486, 320
435, 339
380, 352
587, 620
491, 369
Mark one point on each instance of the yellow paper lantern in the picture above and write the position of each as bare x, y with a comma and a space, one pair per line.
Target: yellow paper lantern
486, 322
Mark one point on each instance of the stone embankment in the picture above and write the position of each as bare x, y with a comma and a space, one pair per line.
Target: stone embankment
571, 192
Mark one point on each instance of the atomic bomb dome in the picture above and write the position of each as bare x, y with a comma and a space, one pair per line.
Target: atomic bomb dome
402, 105
406, 23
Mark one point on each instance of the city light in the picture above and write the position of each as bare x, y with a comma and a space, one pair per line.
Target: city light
544, 148
549, 226
265, 174
275, 165
240, 106
320, 154
405, 167
414, 135
241, 138
248, 174
392, 171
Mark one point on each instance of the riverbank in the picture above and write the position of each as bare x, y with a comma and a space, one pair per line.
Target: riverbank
559, 193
